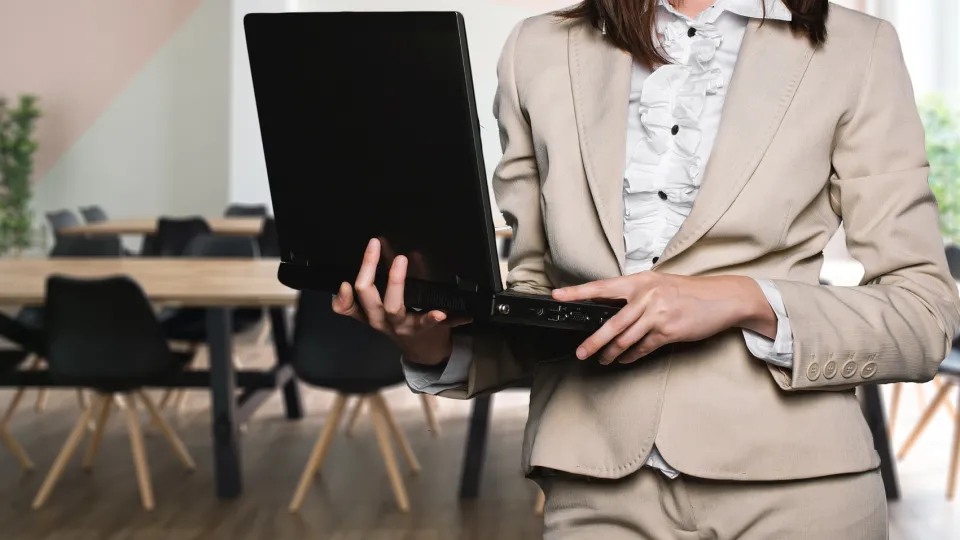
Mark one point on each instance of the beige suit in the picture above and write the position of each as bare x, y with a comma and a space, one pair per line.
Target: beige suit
808, 138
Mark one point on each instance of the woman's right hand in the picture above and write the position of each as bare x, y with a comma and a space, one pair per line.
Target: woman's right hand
424, 338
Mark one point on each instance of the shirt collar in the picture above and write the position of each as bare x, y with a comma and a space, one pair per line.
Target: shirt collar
775, 9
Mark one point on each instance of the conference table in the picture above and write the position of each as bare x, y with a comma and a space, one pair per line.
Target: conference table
218, 285
227, 226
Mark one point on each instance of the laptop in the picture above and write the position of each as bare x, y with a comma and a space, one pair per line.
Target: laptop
370, 130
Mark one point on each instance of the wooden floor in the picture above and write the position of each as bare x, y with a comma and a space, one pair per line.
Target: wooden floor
351, 499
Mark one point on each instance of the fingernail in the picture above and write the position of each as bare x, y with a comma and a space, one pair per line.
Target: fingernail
581, 353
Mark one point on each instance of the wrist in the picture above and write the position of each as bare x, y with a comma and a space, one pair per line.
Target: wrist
753, 309
429, 354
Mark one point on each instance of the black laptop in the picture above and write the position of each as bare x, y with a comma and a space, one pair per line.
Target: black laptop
370, 130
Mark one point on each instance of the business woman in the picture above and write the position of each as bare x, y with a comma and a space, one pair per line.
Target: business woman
693, 158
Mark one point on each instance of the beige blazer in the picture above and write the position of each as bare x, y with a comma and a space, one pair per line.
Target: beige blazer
808, 138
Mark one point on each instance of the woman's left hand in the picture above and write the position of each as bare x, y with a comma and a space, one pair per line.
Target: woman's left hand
664, 308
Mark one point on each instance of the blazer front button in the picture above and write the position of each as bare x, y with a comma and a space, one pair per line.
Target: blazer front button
830, 370
849, 369
869, 370
813, 372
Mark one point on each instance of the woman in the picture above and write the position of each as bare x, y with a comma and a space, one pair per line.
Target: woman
693, 158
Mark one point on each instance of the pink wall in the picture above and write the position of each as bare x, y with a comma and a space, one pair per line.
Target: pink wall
77, 55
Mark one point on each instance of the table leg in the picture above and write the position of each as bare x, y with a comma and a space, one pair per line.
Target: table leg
281, 346
476, 447
226, 438
876, 420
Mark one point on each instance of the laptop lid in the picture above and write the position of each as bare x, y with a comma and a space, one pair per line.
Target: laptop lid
369, 130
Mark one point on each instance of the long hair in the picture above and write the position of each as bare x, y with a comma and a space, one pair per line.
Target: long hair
632, 24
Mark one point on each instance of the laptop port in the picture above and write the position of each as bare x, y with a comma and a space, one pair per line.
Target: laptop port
577, 316
553, 317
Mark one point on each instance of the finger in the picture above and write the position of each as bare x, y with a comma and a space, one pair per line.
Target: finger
611, 329
366, 291
614, 288
430, 320
393, 299
345, 304
627, 339
644, 347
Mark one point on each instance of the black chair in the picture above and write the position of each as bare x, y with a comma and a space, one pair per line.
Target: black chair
60, 220
10, 360
246, 210
102, 334
175, 234
343, 355
268, 240
93, 214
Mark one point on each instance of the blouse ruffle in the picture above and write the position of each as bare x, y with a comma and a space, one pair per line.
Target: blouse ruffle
664, 169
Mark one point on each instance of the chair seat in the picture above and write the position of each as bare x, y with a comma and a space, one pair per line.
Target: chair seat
190, 325
119, 383
11, 358
351, 386
951, 365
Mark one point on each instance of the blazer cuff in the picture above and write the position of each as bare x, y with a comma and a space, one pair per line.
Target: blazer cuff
779, 351
436, 379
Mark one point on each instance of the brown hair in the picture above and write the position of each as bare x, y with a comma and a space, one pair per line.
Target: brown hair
631, 24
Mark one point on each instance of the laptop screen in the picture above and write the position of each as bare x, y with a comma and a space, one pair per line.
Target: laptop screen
369, 130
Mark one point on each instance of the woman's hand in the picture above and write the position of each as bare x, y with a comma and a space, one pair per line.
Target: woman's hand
663, 309
423, 337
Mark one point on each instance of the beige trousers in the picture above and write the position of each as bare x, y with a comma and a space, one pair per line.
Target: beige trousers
649, 506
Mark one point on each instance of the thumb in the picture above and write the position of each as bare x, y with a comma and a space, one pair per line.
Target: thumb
344, 304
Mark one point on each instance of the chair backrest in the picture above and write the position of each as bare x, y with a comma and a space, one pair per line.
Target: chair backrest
953, 260
227, 247
175, 234
337, 352
93, 214
87, 246
61, 219
29, 339
268, 240
246, 210
103, 333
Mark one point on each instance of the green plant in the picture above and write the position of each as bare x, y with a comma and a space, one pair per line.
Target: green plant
17, 148
942, 123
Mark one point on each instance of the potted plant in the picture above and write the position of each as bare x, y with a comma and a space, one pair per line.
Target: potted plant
942, 124
17, 149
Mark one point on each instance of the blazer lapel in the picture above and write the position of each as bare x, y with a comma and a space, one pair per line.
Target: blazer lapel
600, 78
769, 68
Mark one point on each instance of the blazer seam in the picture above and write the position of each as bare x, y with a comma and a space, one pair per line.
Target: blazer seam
863, 84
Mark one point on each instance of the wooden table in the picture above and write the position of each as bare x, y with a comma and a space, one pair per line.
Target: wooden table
232, 226
217, 285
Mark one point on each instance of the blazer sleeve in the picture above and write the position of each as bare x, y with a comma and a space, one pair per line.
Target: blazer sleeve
502, 356
899, 323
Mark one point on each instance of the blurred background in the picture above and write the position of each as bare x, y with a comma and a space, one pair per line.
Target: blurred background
130, 145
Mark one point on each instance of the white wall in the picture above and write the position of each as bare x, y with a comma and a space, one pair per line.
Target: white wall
161, 146
488, 22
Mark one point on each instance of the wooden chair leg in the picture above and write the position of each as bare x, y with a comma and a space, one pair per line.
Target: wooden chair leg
427, 402
180, 401
104, 402
928, 414
319, 452
921, 395
139, 453
894, 407
266, 329
12, 407
41, 400
376, 400
382, 430
355, 415
69, 447
541, 501
165, 398
950, 408
14, 447
82, 399
168, 433
954, 456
